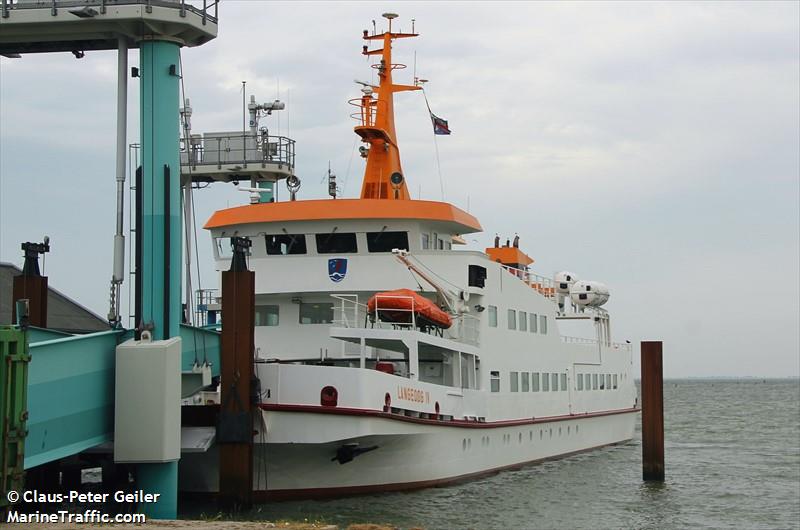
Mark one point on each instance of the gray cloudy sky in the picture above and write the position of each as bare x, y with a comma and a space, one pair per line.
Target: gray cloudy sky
652, 146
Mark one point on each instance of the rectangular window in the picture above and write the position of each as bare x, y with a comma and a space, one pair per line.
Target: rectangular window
534, 321
493, 316
580, 381
333, 243
316, 313
543, 325
512, 319
535, 381
476, 276
588, 381
441, 244
615, 381
494, 381
545, 382
563, 381
608, 381
554, 378
594, 381
285, 244
426, 241
515, 381
223, 245
266, 315
523, 321
525, 383
602, 382
386, 241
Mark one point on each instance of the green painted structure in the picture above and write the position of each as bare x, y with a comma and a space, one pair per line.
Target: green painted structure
14, 359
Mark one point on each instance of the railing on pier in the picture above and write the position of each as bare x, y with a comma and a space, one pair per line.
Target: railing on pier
350, 313
220, 149
200, 7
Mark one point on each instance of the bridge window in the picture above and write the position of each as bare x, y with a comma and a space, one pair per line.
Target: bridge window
523, 321
386, 241
515, 381
534, 320
555, 381
543, 324
615, 381
316, 313
526, 386
266, 315
545, 382
535, 382
334, 243
512, 319
426, 241
563, 381
493, 316
580, 381
285, 244
594, 381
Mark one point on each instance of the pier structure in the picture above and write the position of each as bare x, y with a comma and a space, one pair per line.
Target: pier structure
159, 28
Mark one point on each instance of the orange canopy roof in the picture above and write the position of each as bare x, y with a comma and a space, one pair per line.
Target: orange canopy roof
509, 256
336, 209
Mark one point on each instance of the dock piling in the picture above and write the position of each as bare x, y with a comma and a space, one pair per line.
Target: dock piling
652, 411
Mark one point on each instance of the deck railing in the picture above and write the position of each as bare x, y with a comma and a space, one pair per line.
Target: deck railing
242, 149
626, 346
200, 7
545, 286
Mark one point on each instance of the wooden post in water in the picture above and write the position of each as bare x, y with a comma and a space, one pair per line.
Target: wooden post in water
652, 411
235, 426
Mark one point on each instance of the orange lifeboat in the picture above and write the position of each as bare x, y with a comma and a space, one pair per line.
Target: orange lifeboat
396, 306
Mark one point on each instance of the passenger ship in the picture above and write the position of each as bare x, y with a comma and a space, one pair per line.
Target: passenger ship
391, 359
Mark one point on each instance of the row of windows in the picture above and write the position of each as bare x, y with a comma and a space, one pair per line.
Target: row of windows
310, 313
332, 243
597, 381
434, 242
520, 320
530, 381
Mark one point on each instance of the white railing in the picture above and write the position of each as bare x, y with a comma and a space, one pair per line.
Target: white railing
594, 342
466, 329
545, 286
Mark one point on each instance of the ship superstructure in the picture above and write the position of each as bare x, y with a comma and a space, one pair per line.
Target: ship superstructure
365, 386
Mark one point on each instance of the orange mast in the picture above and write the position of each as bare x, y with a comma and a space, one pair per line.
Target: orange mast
383, 176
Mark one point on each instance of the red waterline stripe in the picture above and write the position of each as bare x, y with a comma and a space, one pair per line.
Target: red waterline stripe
344, 411
320, 493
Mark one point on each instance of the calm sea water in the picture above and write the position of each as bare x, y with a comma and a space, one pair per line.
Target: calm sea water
732, 461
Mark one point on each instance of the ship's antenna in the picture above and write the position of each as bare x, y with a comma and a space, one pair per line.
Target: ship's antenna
244, 109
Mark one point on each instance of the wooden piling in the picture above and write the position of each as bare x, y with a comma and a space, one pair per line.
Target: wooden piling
34, 289
652, 411
235, 426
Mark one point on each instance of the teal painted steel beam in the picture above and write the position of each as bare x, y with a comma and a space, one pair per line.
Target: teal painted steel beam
161, 229
161, 199
201, 345
70, 395
163, 479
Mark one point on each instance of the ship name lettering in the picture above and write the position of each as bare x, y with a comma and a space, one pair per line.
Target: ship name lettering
412, 394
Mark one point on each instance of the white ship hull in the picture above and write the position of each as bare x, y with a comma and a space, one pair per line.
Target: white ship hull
408, 455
